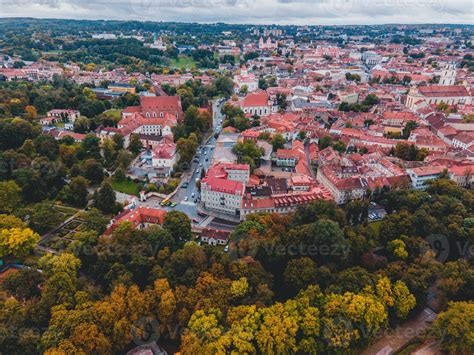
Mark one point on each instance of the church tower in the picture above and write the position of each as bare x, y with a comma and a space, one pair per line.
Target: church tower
448, 75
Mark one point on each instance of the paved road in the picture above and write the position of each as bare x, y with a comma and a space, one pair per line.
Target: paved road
401, 335
204, 157
185, 197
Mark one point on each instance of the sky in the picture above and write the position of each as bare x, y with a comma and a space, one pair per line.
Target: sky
297, 12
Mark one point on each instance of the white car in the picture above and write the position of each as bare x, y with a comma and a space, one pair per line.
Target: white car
186, 198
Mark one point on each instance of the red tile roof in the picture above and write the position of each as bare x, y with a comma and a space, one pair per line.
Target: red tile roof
255, 100
157, 103
138, 216
443, 90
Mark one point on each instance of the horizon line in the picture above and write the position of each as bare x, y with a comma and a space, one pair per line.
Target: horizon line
236, 24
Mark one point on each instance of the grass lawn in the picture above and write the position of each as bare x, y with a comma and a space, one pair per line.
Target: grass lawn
114, 113
126, 187
183, 62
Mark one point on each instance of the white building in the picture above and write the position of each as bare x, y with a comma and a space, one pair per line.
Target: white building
223, 188
448, 76
257, 104
245, 79
222, 195
164, 156
436, 94
419, 176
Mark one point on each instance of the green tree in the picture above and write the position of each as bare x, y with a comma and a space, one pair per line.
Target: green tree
179, 225
278, 142
105, 198
10, 196
93, 171
135, 144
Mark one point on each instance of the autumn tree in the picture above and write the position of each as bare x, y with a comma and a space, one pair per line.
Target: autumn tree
454, 329
17, 241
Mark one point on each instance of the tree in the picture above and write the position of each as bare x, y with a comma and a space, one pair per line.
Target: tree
300, 273
30, 112
135, 144
124, 158
325, 142
109, 151
105, 198
454, 328
186, 147
224, 86
119, 175
24, 284
17, 241
7, 221
76, 192
404, 301
93, 171
28, 148
278, 142
61, 278
118, 140
397, 248
179, 225
345, 315
248, 151
281, 102
10, 196
339, 146
47, 146
81, 125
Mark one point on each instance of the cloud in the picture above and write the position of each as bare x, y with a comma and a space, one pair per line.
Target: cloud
300, 12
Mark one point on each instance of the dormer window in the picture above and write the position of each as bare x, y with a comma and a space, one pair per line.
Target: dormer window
147, 114
161, 114
154, 114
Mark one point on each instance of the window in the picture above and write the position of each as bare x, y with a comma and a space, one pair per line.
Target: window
154, 114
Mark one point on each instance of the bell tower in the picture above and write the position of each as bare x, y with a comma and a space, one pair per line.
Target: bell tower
448, 75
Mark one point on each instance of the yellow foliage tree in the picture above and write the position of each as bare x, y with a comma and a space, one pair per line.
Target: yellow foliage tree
17, 241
